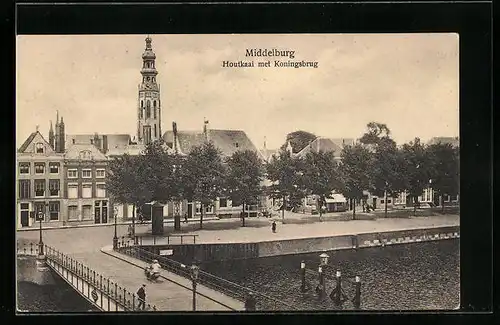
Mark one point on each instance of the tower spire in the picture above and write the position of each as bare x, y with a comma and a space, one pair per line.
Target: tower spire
57, 117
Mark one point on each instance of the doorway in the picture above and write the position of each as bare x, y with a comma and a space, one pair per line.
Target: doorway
374, 202
25, 214
101, 212
190, 209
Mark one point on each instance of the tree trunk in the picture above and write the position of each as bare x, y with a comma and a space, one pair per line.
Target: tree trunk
243, 216
202, 206
415, 201
353, 209
133, 220
385, 201
442, 203
320, 207
283, 207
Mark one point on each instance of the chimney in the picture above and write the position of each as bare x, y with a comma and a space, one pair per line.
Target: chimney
104, 144
174, 138
205, 129
97, 141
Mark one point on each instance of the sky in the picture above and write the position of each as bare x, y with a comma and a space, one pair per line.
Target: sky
408, 81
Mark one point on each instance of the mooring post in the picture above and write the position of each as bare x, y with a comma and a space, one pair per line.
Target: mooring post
339, 288
302, 276
321, 285
357, 296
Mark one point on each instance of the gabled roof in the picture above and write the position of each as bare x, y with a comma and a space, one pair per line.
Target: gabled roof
113, 140
75, 150
35, 137
323, 144
445, 140
227, 141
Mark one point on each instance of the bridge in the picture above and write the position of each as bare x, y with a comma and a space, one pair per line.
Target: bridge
110, 278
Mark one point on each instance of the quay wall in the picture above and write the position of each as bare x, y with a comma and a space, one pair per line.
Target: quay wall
187, 253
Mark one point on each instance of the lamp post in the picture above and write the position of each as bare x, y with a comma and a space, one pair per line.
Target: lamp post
323, 262
115, 238
194, 277
40, 217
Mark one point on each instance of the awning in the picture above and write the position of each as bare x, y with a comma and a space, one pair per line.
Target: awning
336, 198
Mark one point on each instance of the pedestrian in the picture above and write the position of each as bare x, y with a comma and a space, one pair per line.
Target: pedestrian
250, 302
141, 294
185, 217
130, 231
273, 226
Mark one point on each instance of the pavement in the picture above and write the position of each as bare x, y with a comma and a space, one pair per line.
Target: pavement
259, 229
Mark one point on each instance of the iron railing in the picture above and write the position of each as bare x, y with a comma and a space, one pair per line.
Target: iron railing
214, 282
164, 239
81, 273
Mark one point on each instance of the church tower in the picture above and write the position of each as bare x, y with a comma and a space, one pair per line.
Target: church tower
149, 106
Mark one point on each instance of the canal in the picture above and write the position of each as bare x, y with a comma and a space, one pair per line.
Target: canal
401, 277
46, 291
418, 276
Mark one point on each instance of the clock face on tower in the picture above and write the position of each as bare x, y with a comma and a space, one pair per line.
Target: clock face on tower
148, 86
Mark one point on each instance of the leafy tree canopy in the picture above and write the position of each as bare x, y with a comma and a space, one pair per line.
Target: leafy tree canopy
298, 140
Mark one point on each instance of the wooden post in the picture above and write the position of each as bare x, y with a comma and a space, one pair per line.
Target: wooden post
357, 298
303, 276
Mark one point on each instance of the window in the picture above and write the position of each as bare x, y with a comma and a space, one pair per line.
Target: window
85, 154
87, 173
148, 109
154, 78
383, 201
24, 168
24, 189
236, 144
155, 128
39, 168
87, 212
54, 210
72, 191
54, 187
100, 190
154, 111
39, 187
54, 168
72, 212
389, 201
100, 173
86, 191
25, 206
142, 104
72, 173
223, 203
39, 148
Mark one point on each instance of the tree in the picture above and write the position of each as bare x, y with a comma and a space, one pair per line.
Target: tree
356, 162
203, 174
385, 172
445, 170
298, 140
244, 177
127, 182
375, 131
417, 169
321, 176
284, 172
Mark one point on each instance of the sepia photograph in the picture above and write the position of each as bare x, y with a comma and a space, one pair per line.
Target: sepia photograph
237, 172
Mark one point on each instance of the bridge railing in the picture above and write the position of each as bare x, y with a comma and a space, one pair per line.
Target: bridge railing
98, 285
173, 239
234, 290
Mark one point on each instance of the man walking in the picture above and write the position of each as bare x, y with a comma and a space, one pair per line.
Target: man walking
141, 293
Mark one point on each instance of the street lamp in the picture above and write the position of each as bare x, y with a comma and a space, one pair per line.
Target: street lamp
323, 258
194, 277
40, 216
115, 238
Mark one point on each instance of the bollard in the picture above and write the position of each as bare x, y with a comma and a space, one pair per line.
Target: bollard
302, 276
339, 289
357, 297
321, 285
133, 301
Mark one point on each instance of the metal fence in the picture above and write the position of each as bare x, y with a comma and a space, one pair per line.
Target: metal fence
164, 239
214, 282
97, 285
